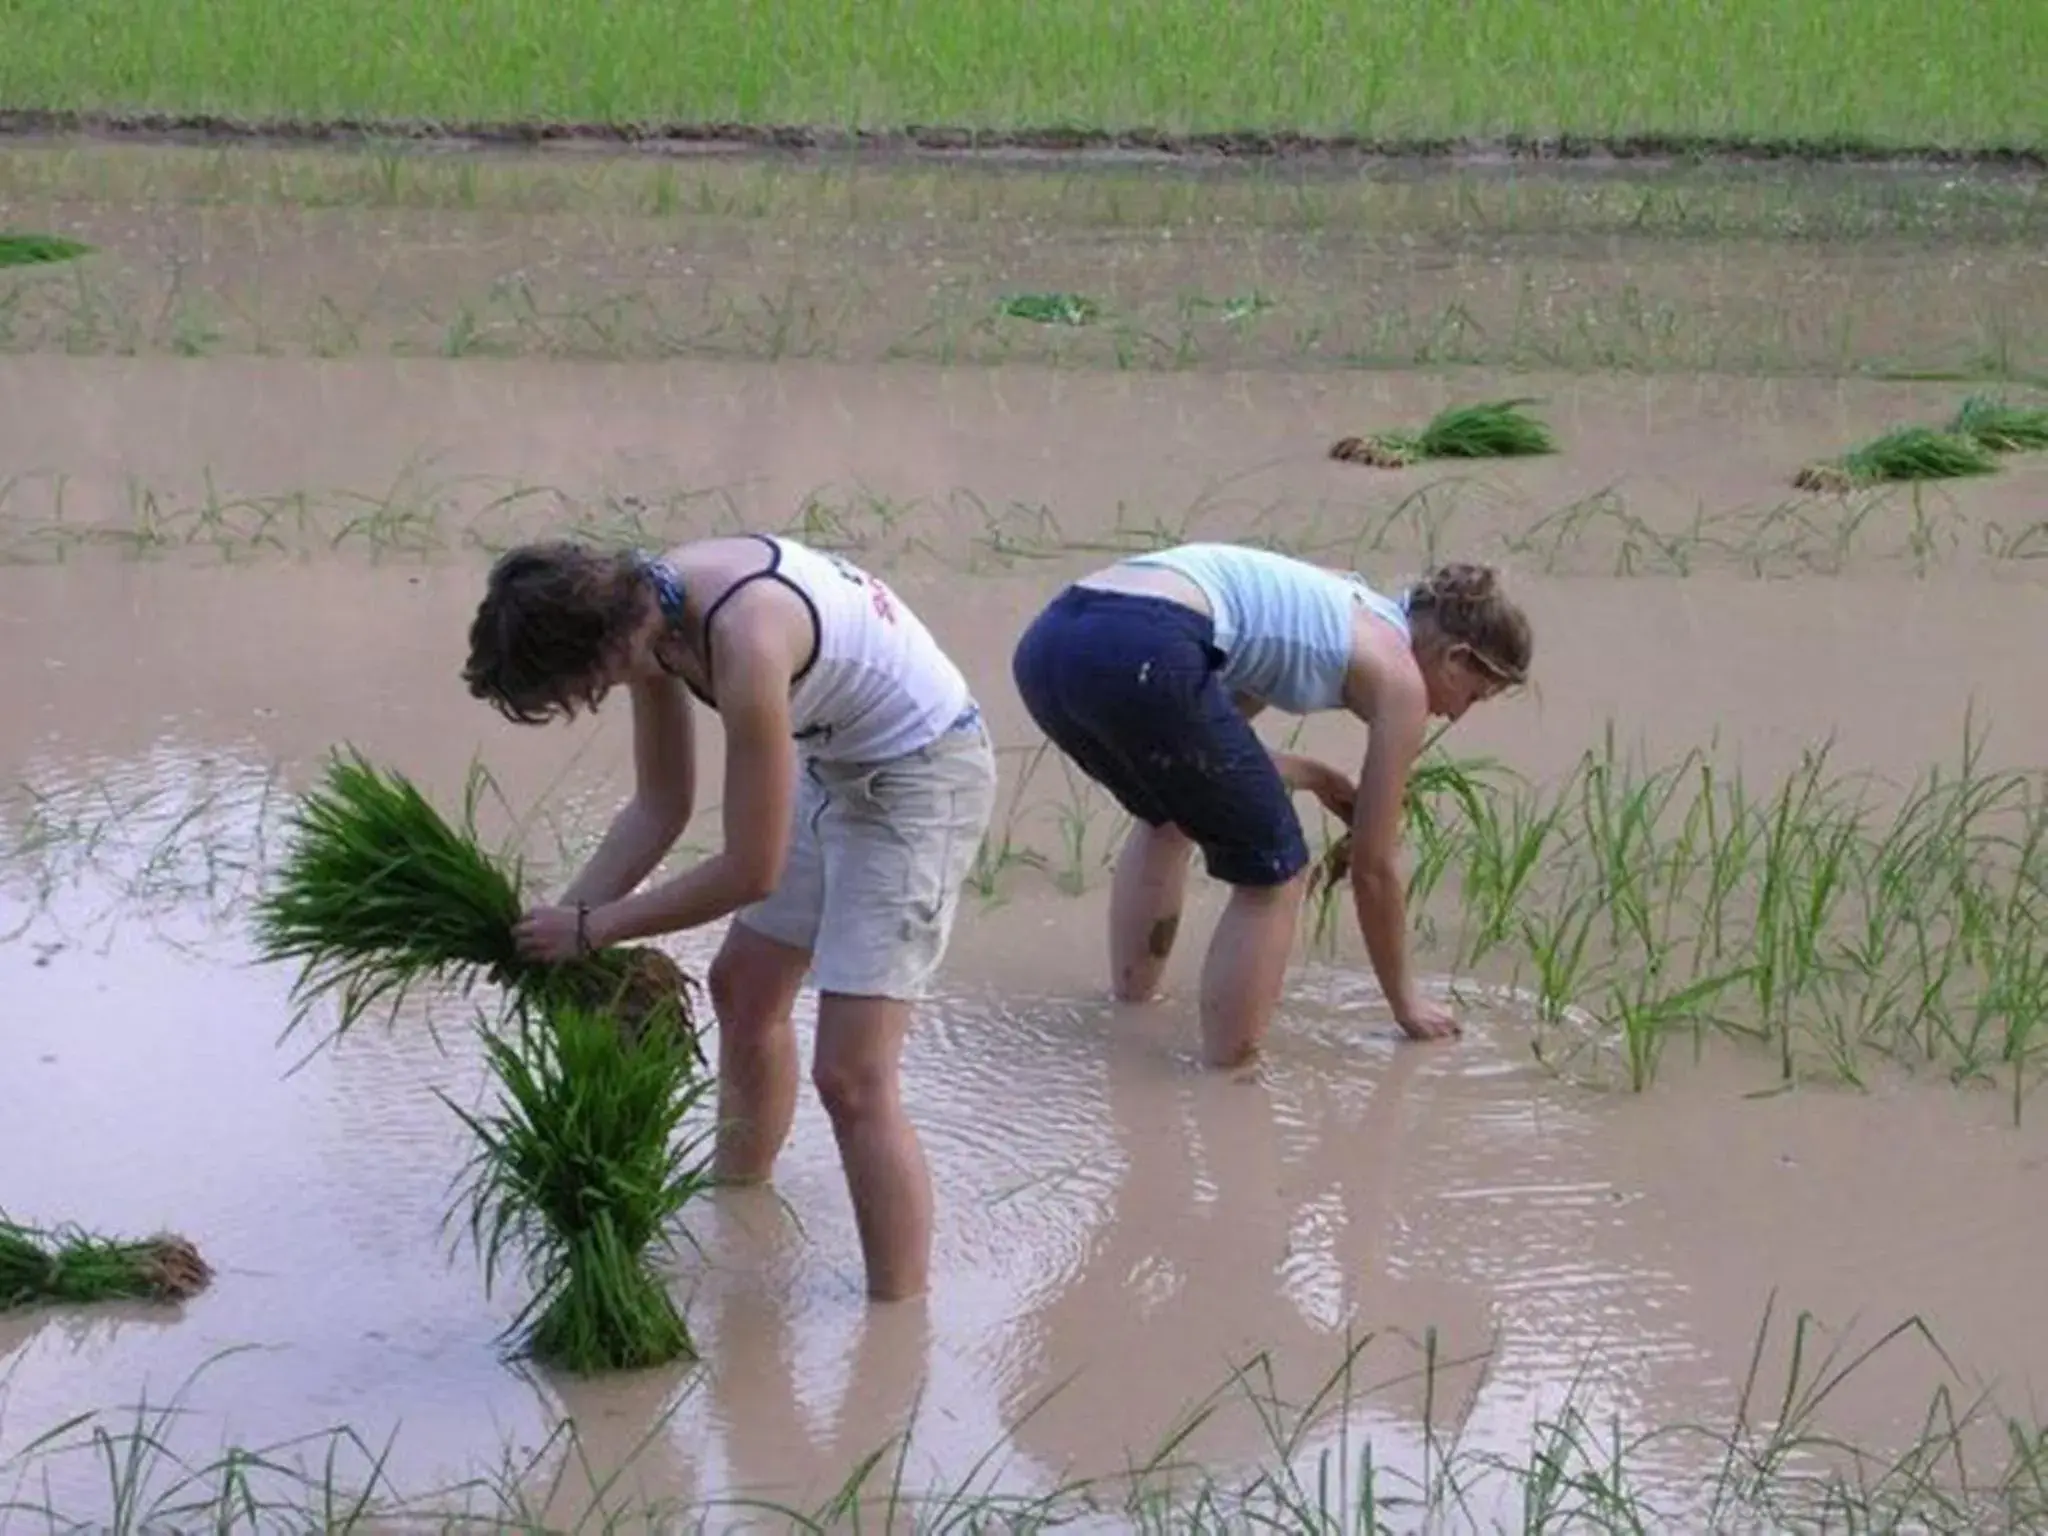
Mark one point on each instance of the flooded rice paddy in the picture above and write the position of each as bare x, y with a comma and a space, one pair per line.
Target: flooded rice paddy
223, 560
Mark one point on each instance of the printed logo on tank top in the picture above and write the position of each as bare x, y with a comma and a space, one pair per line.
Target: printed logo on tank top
880, 598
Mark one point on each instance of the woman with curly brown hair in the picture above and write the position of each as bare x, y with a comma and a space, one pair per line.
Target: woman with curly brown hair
859, 779
1147, 673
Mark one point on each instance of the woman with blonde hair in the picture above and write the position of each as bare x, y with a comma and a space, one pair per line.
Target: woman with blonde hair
1146, 674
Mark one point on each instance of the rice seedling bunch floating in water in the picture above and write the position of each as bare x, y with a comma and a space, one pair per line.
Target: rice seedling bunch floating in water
579, 1169
379, 892
1488, 429
2000, 427
20, 250
1908, 453
71, 1266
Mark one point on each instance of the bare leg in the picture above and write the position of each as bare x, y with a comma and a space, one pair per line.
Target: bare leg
1145, 901
754, 982
1245, 968
860, 1050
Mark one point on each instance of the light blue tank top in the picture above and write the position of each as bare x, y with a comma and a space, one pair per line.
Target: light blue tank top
1283, 625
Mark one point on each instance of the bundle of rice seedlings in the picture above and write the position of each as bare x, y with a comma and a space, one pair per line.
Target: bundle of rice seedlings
1488, 429
596, 1069
580, 1169
71, 1266
2000, 427
39, 250
379, 892
1907, 453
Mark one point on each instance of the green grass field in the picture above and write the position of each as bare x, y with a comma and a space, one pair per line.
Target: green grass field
1884, 74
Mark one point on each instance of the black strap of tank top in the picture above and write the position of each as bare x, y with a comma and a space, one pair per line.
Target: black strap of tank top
770, 572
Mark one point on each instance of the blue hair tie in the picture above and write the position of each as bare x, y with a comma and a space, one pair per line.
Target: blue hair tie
668, 590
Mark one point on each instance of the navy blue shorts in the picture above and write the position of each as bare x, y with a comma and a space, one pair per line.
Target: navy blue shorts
1127, 687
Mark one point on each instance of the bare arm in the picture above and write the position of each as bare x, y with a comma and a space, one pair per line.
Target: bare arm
664, 794
754, 670
1377, 889
1328, 784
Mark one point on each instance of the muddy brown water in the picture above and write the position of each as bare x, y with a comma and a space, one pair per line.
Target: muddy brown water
218, 568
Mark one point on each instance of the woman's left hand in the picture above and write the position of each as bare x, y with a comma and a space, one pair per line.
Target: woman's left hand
548, 934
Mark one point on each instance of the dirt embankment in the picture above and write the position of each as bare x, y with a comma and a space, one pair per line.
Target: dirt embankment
1050, 143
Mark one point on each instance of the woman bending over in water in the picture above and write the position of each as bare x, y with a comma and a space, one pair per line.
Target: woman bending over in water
858, 781
1146, 674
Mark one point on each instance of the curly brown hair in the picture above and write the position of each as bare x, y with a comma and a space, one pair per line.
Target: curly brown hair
553, 615
1465, 604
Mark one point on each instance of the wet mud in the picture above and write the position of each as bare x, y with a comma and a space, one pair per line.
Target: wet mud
213, 569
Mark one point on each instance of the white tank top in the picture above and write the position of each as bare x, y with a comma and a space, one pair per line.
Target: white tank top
876, 685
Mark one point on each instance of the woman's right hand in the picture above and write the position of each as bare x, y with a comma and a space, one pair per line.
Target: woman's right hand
1427, 1021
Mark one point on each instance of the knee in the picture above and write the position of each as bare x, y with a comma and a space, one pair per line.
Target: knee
726, 983
853, 1091
750, 1000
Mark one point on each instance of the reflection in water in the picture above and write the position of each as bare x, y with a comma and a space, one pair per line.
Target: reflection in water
614, 1456
1247, 1233
796, 1423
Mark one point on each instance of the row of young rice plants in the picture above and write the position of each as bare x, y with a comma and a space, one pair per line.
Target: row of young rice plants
1829, 917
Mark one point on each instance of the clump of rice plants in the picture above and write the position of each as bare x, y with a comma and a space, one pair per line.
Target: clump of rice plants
71, 1266
2001, 427
581, 1168
23, 250
1907, 453
380, 892
597, 1065
1487, 429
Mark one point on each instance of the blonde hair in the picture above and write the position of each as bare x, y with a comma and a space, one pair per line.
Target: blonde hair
1465, 604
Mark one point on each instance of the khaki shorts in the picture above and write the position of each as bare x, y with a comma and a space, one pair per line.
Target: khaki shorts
877, 857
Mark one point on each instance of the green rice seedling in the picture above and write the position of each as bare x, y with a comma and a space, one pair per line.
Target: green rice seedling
2000, 427
1488, 429
380, 892
1908, 453
1645, 1014
1505, 853
23, 250
1050, 308
1434, 777
1557, 936
70, 1266
1618, 814
580, 1169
